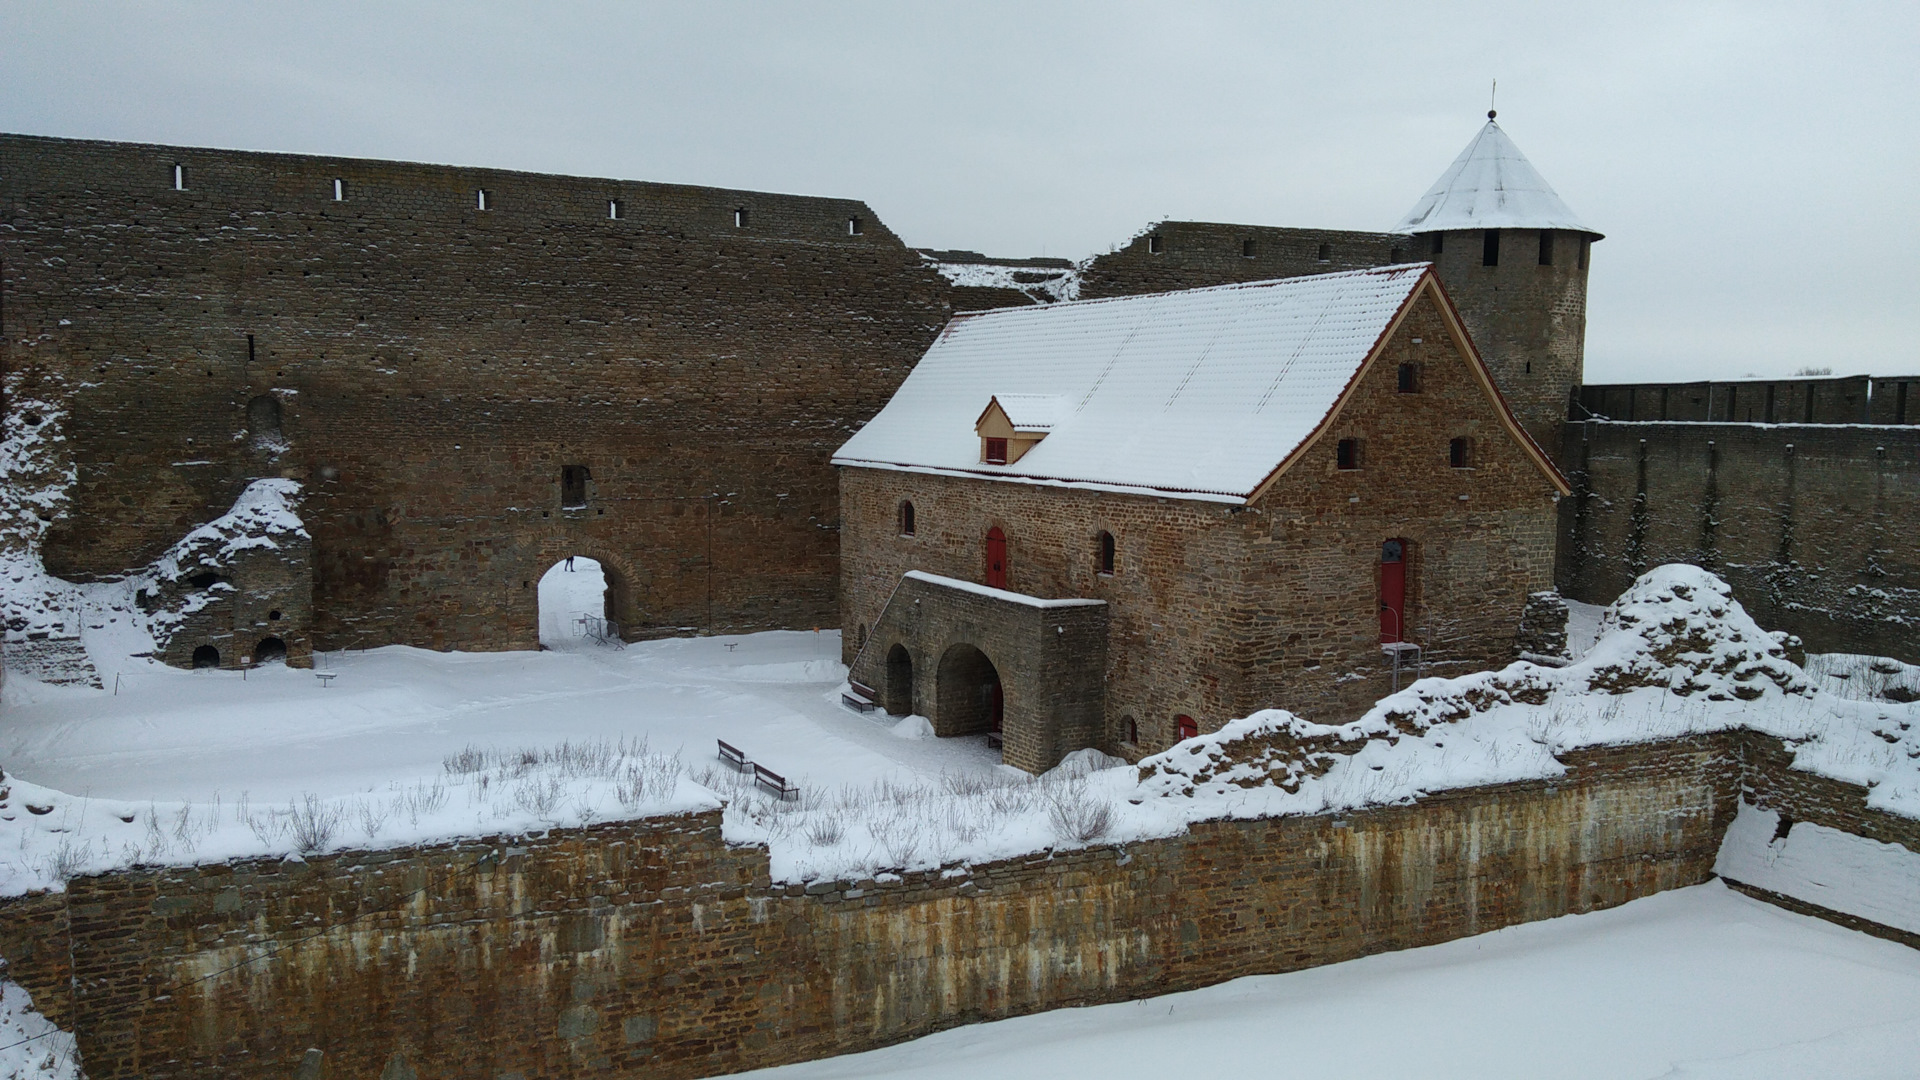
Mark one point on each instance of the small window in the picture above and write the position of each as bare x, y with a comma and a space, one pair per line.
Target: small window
1107, 552
1186, 726
1460, 453
996, 451
339, 190
1546, 247
1586, 244
573, 486
1529, 367
854, 226
1409, 381
1399, 255
179, 178
906, 519
1130, 729
1326, 253
482, 199
1490, 247
1248, 249
1347, 454
1154, 246
1439, 239
615, 210
740, 217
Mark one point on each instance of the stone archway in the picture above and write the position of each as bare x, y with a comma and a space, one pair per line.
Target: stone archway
619, 598
972, 699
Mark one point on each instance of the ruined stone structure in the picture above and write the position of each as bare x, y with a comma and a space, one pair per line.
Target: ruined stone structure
475, 373
1412, 510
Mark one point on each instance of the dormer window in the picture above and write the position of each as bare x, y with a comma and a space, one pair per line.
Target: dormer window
996, 451
1013, 424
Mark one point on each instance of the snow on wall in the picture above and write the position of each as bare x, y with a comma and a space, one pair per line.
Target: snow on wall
1042, 285
31, 1047
1836, 870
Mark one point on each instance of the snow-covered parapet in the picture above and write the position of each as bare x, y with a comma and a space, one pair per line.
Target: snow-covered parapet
1272, 746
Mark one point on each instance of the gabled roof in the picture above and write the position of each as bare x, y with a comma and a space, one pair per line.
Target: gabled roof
1035, 413
1491, 185
1202, 394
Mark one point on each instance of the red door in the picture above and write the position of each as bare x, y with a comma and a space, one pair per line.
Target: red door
996, 558
1393, 591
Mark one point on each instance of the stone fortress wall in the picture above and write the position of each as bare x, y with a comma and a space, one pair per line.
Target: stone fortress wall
428, 368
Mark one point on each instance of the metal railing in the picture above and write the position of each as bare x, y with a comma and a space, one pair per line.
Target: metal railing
602, 631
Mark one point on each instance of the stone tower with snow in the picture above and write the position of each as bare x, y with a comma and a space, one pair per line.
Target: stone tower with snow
1514, 259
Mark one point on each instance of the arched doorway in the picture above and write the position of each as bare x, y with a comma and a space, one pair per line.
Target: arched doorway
578, 605
206, 656
1393, 591
268, 650
899, 700
996, 558
971, 699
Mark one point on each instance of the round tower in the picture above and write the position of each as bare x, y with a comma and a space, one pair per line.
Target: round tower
1514, 259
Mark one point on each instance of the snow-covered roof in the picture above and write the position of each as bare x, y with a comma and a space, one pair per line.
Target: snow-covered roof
1031, 412
1201, 393
1491, 185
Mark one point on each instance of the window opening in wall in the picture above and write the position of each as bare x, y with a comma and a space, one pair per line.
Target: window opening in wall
1490, 247
206, 656
1546, 247
1900, 405
483, 199
1326, 253
740, 217
1585, 244
906, 519
249, 348
339, 190
1438, 240
1529, 367
1460, 453
996, 558
1409, 382
615, 210
1154, 245
1399, 255
268, 650
996, 451
854, 226
1769, 412
1808, 419
1393, 591
1346, 454
179, 178
1185, 727
273, 616
573, 486
1130, 729
1107, 552
1247, 249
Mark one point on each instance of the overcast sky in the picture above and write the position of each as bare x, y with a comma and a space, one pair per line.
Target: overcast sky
1755, 166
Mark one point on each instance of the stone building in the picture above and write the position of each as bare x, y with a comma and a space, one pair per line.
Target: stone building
1118, 522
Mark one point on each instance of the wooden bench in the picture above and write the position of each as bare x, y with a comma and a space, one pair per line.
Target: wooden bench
856, 703
734, 756
773, 782
326, 677
994, 741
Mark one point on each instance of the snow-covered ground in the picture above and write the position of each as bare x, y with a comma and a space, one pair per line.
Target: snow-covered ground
1695, 983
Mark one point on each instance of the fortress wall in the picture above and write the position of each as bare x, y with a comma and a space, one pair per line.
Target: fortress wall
1808, 523
653, 949
1194, 254
436, 364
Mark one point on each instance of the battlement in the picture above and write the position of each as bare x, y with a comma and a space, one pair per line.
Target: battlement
1851, 399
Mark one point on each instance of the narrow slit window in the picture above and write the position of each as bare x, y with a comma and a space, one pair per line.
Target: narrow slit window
339, 190
1586, 243
740, 217
996, 451
1546, 247
1107, 552
1326, 253
1346, 454
179, 177
1439, 242
1154, 244
855, 226
615, 210
1460, 453
482, 199
1248, 249
1130, 729
907, 524
1409, 382
1490, 247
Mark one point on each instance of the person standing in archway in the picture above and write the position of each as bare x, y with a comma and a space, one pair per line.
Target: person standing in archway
569, 564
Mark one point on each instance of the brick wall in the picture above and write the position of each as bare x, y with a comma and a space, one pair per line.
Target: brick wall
437, 364
1806, 522
653, 949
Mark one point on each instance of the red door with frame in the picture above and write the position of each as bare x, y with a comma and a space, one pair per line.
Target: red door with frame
1393, 591
996, 558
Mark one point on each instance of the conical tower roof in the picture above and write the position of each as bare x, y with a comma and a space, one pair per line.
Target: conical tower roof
1491, 185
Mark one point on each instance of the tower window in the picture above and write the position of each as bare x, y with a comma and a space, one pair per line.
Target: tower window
339, 190
1326, 253
1546, 247
573, 486
906, 519
1438, 240
1346, 454
482, 199
1490, 247
854, 225
1460, 453
996, 451
179, 178
1130, 729
1154, 245
1409, 382
740, 217
1399, 255
615, 210
1107, 552
1586, 243
1247, 249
